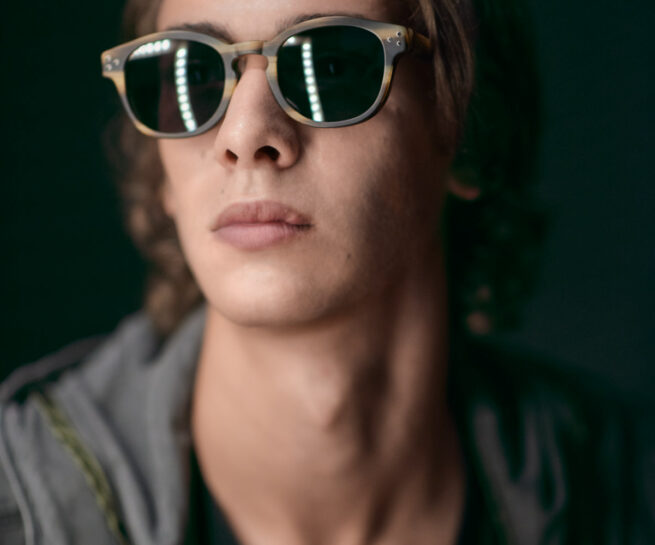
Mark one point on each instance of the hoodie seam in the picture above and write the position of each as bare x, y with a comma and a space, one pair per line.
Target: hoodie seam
20, 494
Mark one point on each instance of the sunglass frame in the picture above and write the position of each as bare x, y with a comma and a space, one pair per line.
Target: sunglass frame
395, 40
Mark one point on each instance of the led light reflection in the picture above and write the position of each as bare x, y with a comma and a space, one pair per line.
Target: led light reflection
152, 48
182, 90
310, 80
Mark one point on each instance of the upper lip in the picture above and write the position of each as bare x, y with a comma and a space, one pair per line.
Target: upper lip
259, 212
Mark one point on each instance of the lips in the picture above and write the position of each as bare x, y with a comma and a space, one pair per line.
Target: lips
259, 224
260, 212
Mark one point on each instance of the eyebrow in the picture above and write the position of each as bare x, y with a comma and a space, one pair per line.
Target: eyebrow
220, 32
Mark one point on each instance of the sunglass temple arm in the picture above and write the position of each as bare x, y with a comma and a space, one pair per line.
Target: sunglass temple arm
419, 44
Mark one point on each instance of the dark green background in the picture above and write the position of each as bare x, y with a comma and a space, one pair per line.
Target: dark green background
68, 269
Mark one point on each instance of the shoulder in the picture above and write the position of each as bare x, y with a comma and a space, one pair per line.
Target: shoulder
26, 443
516, 381
568, 455
97, 429
578, 406
134, 338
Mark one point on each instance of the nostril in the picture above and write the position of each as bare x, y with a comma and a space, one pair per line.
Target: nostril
268, 151
264, 152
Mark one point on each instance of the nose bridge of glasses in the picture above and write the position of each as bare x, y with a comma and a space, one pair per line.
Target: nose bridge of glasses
242, 51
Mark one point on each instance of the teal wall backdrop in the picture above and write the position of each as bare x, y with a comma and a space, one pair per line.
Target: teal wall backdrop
69, 271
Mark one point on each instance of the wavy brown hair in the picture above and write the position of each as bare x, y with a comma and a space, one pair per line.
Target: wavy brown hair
486, 108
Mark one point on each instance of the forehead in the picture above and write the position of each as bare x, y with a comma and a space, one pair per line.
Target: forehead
262, 19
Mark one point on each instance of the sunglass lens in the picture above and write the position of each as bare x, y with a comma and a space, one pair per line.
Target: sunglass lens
331, 73
174, 86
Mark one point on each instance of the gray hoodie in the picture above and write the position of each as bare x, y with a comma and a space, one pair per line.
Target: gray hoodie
129, 403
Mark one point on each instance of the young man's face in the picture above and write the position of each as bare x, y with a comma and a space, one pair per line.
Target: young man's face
371, 193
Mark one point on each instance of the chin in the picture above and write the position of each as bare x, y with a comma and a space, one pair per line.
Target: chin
291, 289
262, 310
274, 301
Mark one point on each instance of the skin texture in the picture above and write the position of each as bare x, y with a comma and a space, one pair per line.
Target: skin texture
319, 411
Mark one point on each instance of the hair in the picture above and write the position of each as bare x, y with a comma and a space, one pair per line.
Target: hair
487, 108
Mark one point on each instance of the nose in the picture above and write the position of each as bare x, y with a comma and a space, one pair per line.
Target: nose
255, 131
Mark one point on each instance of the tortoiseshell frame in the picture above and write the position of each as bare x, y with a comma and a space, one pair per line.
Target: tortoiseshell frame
395, 40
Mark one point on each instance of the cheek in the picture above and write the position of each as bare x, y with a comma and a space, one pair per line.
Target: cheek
379, 198
174, 158
187, 196
381, 175
185, 158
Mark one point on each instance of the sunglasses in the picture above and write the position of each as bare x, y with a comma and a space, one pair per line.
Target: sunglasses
326, 72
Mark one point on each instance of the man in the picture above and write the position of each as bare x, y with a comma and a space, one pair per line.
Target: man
325, 384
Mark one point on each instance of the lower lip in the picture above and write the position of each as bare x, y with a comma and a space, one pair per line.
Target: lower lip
257, 236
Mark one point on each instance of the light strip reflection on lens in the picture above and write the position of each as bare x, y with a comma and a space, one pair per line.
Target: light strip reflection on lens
310, 80
182, 90
152, 48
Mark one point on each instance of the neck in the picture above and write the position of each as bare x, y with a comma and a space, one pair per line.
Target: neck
336, 432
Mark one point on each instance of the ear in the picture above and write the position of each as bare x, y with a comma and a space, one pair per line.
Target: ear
166, 197
461, 190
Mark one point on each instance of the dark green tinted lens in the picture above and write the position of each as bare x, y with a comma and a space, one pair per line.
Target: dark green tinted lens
331, 73
174, 86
